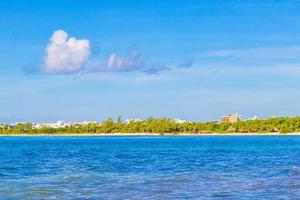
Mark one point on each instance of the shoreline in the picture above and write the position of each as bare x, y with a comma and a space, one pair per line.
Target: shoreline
151, 134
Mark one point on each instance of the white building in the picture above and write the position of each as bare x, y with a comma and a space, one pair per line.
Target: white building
62, 124
253, 118
58, 124
181, 121
127, 121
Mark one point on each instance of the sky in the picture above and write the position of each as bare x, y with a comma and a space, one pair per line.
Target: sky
195, 60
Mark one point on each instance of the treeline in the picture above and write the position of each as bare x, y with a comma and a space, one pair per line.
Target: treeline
165, 125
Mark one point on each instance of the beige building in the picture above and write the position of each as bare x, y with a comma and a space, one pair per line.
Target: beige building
231, 118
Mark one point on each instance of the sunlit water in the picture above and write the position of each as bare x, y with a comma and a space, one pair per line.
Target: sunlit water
212, 167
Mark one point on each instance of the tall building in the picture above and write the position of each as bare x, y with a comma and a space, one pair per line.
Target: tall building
231, 118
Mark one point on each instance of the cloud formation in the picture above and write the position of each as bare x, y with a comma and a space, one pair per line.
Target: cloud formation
68, 55
64, 54
131, 61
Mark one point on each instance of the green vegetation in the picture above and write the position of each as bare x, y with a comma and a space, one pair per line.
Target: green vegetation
165, 125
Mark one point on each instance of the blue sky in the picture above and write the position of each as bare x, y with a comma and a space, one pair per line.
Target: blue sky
193, 60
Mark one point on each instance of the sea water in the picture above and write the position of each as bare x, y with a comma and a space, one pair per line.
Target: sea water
203, 167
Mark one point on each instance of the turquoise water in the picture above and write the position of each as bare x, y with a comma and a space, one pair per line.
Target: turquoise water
212, 167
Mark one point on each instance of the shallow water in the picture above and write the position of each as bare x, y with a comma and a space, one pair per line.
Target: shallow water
205, 167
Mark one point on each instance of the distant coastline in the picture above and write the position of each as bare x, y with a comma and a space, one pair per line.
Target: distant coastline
228, 125
155, 134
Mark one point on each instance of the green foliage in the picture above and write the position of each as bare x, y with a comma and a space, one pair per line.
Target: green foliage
165, 125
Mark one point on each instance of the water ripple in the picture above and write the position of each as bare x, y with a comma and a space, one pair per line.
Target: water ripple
150, 168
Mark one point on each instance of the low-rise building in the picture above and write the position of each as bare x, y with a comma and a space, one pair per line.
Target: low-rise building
62, 124
181, 121
127, 121
58, 124
253, 118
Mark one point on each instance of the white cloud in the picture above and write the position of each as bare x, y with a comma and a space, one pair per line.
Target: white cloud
65, 54
131, 61
68, 55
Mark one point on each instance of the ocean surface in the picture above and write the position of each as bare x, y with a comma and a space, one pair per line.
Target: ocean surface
204, 167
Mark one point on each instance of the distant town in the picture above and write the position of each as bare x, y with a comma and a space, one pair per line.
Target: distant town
230, 118
231, 123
